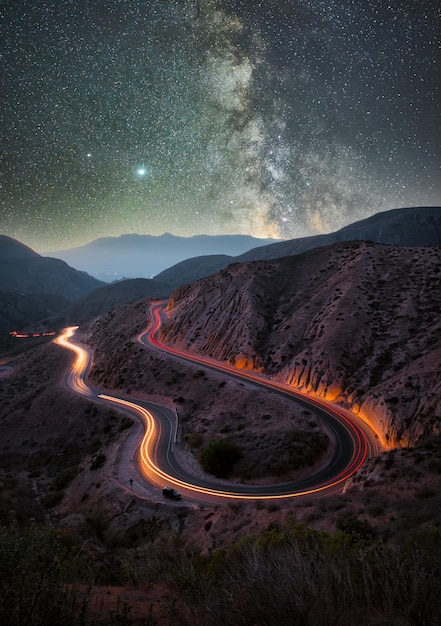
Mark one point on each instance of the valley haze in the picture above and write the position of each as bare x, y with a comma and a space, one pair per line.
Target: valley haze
144, 256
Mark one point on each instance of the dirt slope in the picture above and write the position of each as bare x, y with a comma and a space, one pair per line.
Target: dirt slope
355, 322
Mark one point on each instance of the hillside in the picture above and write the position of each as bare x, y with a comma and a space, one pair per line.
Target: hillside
104, 298
18, 310
24, 271
417, 226
33, 287
193, 269
143, 551
355, 322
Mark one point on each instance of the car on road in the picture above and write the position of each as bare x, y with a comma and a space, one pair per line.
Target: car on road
168, 492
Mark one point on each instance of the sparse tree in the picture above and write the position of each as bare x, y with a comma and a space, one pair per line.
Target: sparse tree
219, 456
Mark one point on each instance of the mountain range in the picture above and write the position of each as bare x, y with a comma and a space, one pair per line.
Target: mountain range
417, 226
177, 260
34, 288
144, 256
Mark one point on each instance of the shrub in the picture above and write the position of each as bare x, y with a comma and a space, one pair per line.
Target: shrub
194, 439
219, 456
64, 477
126, 422
98, 461
51, 499
425, 492
38, 567
359, 530
94, 445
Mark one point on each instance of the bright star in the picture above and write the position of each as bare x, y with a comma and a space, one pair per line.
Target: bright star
141, 171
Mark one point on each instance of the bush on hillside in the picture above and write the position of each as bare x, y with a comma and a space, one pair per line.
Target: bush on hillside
219, 456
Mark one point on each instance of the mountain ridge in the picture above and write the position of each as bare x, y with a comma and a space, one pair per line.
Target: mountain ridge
144, 256
13, 249
415, 226
33, 286
24, 271
355, 322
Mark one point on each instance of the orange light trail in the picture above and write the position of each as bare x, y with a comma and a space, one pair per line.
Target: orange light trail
153, 431
79, 367
157, 476
356, 433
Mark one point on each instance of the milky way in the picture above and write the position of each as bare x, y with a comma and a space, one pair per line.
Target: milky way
272, 118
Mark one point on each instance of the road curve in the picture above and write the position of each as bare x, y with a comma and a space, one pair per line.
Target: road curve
353, 440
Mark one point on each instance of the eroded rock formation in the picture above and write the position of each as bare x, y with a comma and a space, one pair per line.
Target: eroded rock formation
355, 322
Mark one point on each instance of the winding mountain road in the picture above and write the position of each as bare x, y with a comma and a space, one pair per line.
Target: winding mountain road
353, 440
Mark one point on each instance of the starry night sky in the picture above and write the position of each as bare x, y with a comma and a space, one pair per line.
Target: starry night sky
279, 118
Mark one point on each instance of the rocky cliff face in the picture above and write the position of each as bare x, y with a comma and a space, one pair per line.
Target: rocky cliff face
355, 322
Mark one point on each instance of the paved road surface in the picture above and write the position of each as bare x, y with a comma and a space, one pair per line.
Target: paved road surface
353, 440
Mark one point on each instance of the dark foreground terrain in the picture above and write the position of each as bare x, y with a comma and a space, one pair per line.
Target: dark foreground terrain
81, 548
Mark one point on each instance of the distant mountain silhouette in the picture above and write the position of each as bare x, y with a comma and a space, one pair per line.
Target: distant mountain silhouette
419, 226
24, 271
32, 286
143, 256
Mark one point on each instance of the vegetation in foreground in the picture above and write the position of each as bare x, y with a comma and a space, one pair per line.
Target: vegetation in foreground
39, 569
286, 575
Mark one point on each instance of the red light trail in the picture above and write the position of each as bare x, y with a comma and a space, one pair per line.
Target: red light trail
353, 441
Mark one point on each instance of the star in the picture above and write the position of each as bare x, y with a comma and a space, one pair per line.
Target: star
215, 117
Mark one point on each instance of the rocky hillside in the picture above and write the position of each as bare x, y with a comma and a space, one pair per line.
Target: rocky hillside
354, 322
